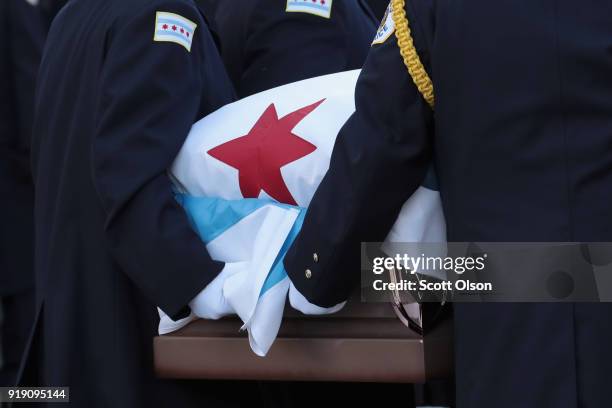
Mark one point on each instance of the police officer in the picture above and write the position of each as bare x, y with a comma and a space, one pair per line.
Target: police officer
521, 140
119, 87
24, 30
268, 43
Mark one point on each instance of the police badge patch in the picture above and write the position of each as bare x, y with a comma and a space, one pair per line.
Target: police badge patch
321, 8
387, 27
170, 27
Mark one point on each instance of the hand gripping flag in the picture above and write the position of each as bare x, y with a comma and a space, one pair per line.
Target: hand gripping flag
246, 175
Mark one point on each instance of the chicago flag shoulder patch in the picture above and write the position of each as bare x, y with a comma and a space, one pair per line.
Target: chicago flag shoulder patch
321, 8
171, 27
387, 27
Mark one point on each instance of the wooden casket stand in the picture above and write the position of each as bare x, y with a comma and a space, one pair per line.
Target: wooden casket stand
361, 343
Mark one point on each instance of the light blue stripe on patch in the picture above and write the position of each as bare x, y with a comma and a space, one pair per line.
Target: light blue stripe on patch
309, 5
175, 22
173, 34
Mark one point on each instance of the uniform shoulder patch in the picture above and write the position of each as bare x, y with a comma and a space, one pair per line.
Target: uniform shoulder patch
387, 27
321, 8
171, 27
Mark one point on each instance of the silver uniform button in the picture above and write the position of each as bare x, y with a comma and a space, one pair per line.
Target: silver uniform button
308, 274
315, 257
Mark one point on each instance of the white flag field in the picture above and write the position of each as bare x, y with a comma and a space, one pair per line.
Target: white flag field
245, 177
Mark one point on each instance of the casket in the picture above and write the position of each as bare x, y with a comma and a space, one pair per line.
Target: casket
361, 343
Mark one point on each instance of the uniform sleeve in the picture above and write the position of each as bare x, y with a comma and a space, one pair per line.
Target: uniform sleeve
7, 125
13, 161
7, 131
283, 47
28, 32
380, 158
16, 191
151, 93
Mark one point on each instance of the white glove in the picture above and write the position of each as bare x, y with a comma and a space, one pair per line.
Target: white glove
300, 303
210, 302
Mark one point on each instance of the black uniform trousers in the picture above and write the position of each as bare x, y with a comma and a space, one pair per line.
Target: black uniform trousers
17, 311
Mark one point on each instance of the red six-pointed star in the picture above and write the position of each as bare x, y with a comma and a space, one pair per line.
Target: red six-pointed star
259, 155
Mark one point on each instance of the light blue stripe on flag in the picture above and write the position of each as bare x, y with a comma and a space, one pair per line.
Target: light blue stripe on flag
278, 272
211, 217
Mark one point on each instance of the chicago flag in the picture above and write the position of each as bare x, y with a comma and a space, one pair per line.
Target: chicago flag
245, 177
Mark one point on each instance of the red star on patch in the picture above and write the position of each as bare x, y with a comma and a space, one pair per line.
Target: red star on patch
259, 155
165, 26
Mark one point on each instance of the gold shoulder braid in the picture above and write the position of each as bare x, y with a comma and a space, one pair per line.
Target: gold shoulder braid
409, 53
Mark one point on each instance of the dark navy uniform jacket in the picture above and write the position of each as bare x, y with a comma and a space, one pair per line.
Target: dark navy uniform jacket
24, 32
522, 142
113, 108
378, 7
50, 8
264, 46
